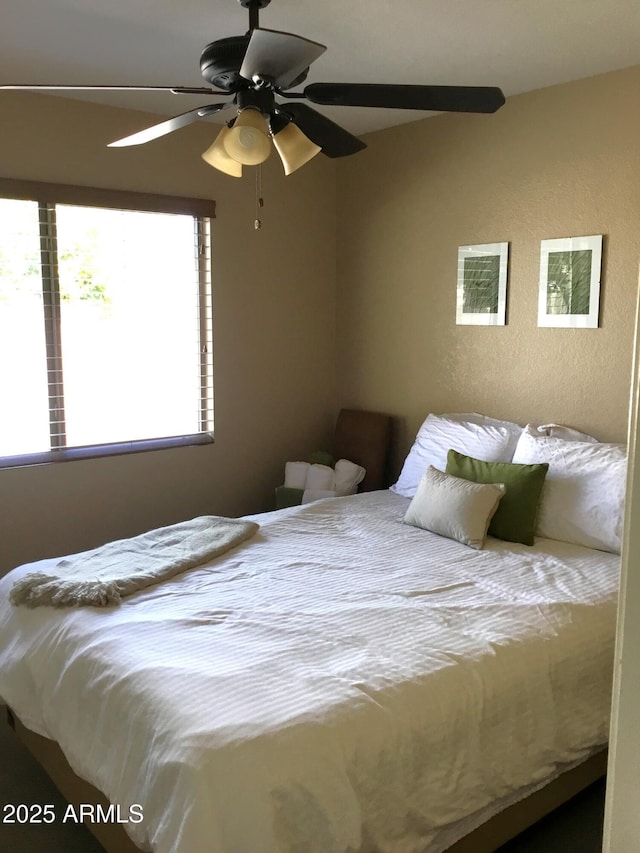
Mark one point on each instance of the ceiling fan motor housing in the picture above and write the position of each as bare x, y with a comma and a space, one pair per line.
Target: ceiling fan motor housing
221, 60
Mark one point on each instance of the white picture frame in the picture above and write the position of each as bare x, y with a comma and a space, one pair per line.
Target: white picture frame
569, 290
481, 294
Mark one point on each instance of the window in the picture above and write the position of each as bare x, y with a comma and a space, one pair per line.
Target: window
105, 322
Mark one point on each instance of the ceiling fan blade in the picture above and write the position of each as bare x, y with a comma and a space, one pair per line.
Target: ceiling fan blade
334, 140
69, 87
464, 99
196, 90
168, 126
281, 57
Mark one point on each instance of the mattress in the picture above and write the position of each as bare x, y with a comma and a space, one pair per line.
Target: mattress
341, 682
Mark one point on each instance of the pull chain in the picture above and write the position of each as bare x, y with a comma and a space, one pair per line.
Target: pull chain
259, 200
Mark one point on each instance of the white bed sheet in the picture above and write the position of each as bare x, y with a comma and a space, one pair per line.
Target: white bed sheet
341, 682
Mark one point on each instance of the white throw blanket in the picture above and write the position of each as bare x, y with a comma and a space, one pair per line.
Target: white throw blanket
105, 575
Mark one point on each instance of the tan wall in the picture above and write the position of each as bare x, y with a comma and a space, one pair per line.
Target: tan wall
557, 162
274, 330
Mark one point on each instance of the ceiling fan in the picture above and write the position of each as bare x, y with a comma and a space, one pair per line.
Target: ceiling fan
257, 71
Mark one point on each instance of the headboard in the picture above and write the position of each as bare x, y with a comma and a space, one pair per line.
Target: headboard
364, 438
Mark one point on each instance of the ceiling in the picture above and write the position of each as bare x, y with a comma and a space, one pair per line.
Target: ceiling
518, 45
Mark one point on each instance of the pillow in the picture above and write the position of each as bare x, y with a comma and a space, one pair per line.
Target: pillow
565, 432
320, 477
322, 457
455, 508
348, 476
515, 518
583, 496
470, 433
295, 474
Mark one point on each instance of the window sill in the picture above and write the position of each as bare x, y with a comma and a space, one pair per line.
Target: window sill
97, 451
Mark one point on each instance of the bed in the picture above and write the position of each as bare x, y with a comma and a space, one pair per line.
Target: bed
342, 681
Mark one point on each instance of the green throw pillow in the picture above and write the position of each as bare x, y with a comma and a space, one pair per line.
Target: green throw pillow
322, 457
515, 518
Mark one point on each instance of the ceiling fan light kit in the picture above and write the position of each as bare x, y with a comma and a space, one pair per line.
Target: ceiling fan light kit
248, 140
294, 148
216, 155
258, 70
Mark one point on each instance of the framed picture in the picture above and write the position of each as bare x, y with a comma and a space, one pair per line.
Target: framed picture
481, 297
569, 294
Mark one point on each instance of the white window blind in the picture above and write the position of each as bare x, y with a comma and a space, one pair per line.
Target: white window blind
106, 338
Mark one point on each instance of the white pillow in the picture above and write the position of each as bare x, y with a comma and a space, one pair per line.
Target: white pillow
320, 477
565, 432
474, 435
582, 499
295, 474
348, 476
456, 508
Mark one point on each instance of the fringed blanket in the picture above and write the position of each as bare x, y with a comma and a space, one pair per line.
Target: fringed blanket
102, 577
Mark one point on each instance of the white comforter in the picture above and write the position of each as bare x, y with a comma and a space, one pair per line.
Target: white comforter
341, 682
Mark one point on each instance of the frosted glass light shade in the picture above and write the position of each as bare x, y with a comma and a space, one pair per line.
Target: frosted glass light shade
217, 156
248, 140
295, 149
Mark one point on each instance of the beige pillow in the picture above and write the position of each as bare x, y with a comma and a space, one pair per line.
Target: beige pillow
456, 508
